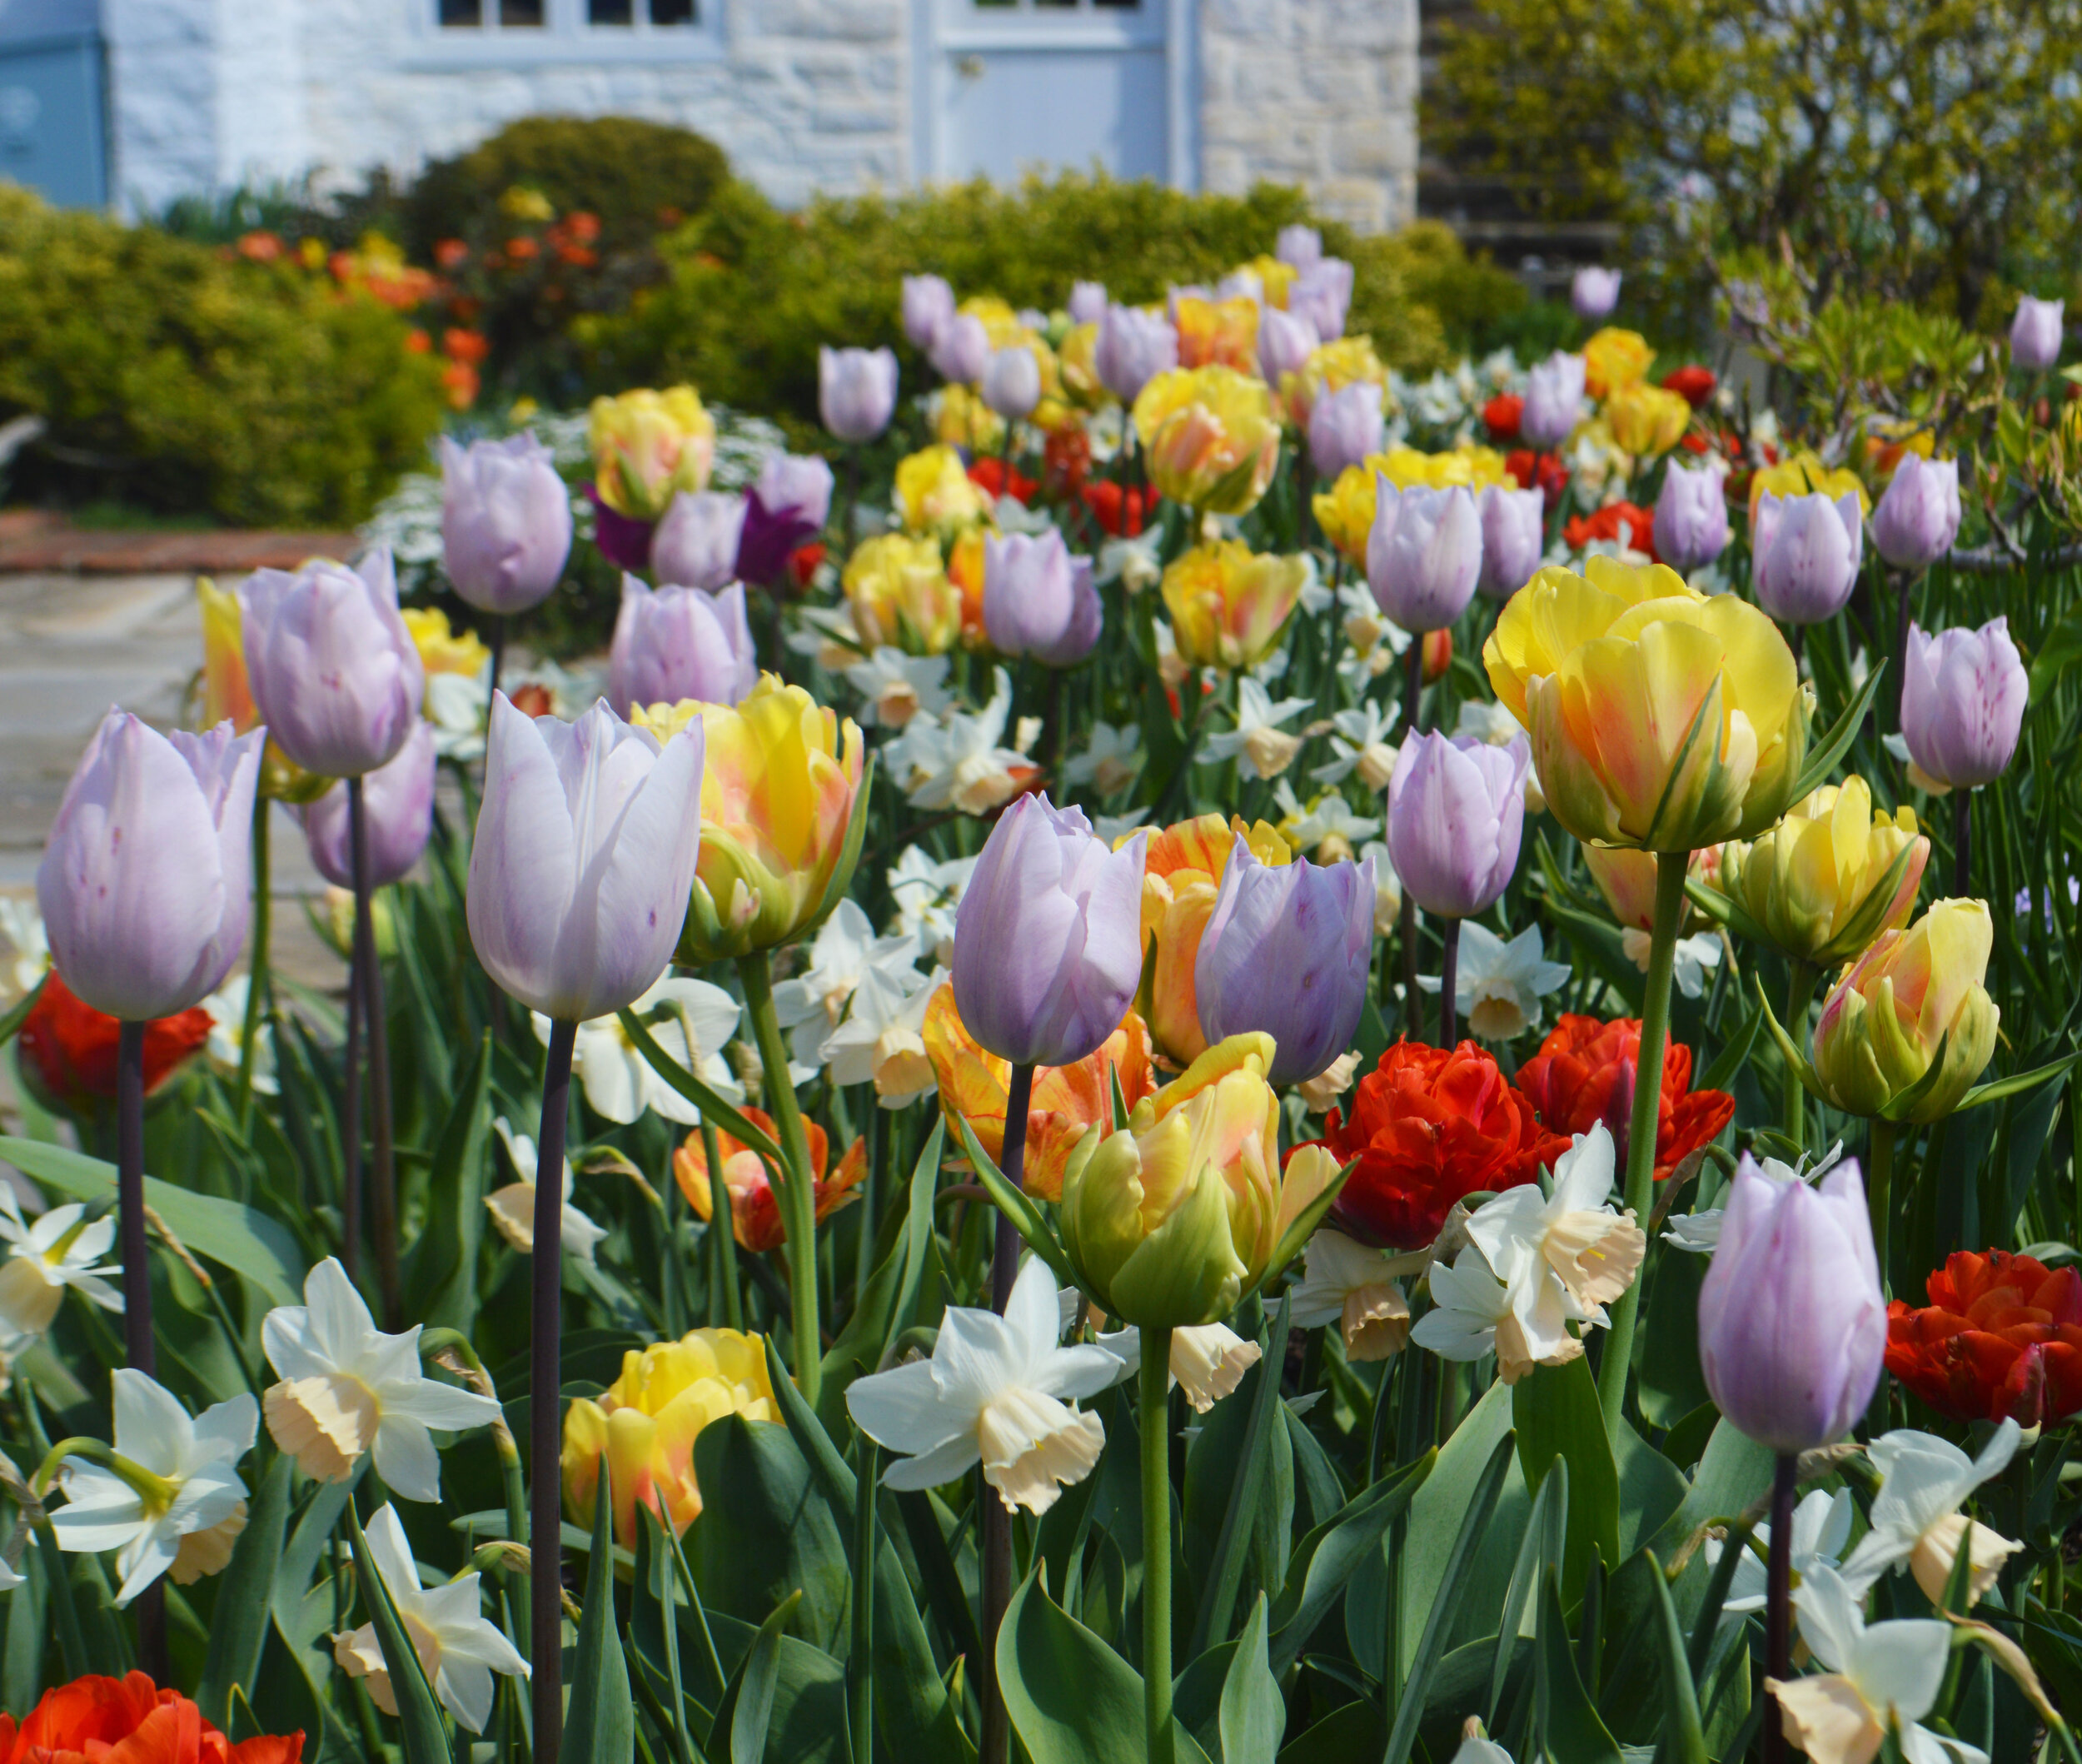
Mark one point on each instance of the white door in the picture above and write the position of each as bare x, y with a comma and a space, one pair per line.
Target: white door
1017, 86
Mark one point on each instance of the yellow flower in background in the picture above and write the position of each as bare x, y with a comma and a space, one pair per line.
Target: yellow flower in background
524, 203
1228, 603
1805, 473
961, 419
644, 1424
936, 494
1613, 359
1659, 718
965, 570
1000, 323
647, 447
1646, 420
1210, 437
899, 595
1830, 877
1077, 361
1330, 368
1182, 867
1216, 333
441, 650
227, 696
1273, 276
1473, 467
777, 799
1344, 512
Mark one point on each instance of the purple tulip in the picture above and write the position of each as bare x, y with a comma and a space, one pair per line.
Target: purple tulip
1514, 536
1792, 1323
1554, 401
623, 539
680, 643
1806, 551
1047, 946
1424, 553
1087, 302
397, 809
1344, 426
1038, 600
856, 391
583, 858
2035, 333
1134, 347
1963, 703
696, 544
961, 349
1691, 517
1594, 292
1286, 950
1299, 245
1012, 382
1917, 515
1285, 342
1456, 807
927, 304
145, 880
1322, 294
786, 508
334, 672
505, 522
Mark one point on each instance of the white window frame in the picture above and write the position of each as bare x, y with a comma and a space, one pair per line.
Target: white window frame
565, 39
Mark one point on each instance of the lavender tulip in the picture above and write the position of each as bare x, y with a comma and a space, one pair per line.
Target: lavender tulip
1299, 245
927, 304
1012, 382
1691, 517
1424, 553
1963, 703
2035, 333
334, 673
1594, 291
961, 349
1087, 302
786, 508
1792, 1323
583, 858
1554, 401
1038, 600
680, 643
1917, 517
1807, 549
1285, 342
397, 809
1286, 950
1514, 536
1322, 294
856, 391
696, 544
1134, 347
145, 880
1047, 947
505, 522
1457, 810
1344, 426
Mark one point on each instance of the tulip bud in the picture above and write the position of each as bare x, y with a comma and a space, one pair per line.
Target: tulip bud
1134, 347
856, 391
1807, 550
1792, 1323
927, 304
1344, 426
333, 669
787, 507
1087, 302
144, 880
1912, 994
1322, 294
1554, 401
1228, 604
1646, 420
1424, 553
1691, 517
2035, 333
397, 803
1038, 600
505, 522
1514, 535
1286, 952
696, 546
675, 643
1594, 291
1285, 342
1831, 876
1047, 956
1457, 810
1917, 517
1012, 382
960, 348
1962, 697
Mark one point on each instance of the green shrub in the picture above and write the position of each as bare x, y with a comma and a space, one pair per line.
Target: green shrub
175, 378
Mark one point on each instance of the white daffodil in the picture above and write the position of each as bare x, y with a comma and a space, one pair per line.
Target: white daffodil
1348, 1285
882, 1042
1134, 563
1821, 1527
1173, 669
1916, 1522
1572, 1236
512, 1207
455, 705
1317, 595
1376, 639
61, 1248
1112, 760
1477, 1748
27, 946
1359, 738
1258, 736
1880, 1678
811, 1005
172, 1502
1498, 985
826, 635
1699, 1232
1387, 887
927, 893
1473, 1313
348, 1388
690, 1019
1207, 1360
458, 1649
997, 1390
1329, 820
226, 1007
1319, 1092
1691, 957
955, 761
1115, 828
895, 687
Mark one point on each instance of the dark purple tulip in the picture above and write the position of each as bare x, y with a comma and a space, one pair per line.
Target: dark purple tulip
623, 539
788, 507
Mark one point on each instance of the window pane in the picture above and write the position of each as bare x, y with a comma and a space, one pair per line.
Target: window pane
525, 14
995, 5
610, 12
1123, 5
673, 12
454, 12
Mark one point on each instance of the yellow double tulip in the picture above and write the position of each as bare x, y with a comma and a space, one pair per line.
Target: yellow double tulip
647, 447
1830, 877
1210, 437
899, 593
1228, 603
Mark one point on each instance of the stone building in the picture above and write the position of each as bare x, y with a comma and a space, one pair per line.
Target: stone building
131, 103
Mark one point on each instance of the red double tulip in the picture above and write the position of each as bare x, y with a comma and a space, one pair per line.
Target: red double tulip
2001, 1338
130, 1720
1584, 1074
69, 1047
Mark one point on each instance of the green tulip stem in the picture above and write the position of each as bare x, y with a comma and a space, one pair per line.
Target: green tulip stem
1155, 1444
1641, 1137
860, 1663
498, 667
151, 1604
722, 1230
1406, 930
1904, 585
798, 1195
1880, 1186
256, 962
1799, 995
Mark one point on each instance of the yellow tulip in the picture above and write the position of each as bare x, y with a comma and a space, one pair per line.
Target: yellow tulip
1077, 361
647, 447
1613, 359
1210, 437
1660, 719
777, 800
1330, 367
1345, 512
1216, 333
899, 594
936, 493
1831, 876
441, 650
1645, 420
227, 697
1627, 878
1228, 603
1182, 867
1803, 475
961, 419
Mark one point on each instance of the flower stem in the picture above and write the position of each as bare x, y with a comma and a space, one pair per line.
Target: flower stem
1962, 843
860, 1655
1004, 1251
797, 1199
1449, 982
351, 1115
722, 1231
997, 1521
545, 1385
1879, 1187
1799, 995
383, 1173
1904, 583
498, 666
1156, 1448
1778, 1615
1640, 1138
137, 1343
256, 960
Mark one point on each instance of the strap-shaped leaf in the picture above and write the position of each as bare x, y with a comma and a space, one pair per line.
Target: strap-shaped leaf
1792, 1055
1733, 1055
1026, 1218
599, 1722
1543, 1546
719, 1112
1326, 1558
238, 1629
424, 1735
849, 858
1684, 1739
1821, 761
18, 1013
1295, 1239
1218, 1602
739, 1735
2017, 1083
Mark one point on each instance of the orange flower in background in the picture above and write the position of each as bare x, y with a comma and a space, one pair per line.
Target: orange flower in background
1000, 479
1182, 867
470, 346
755, 1219
262, 247
1121, 513
2001, 1338
1429, 1126
450, 254
1605, 524
1584, 1074
130, 1720
1066, 1100
1218, 333
69, 1047
1502, 416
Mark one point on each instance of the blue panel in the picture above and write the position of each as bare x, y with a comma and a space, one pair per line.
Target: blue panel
1011, 111
52, 132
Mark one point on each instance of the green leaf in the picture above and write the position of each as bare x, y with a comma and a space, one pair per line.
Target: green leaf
881, 1306
1328, 1557
1821, 761
238, 1629
765, 1530
1555, 1411
1254, 1713
2014, 1085
17, 1013
849, 855
1733, 1054
1541, 1548
1296, 1236
1683, 1740
1434, 1519
1568, 1720
441, 1285
1017, 1206
714, 1109
1790, 1054
1239, 1517
425, 1736
747, 1709
600, 1720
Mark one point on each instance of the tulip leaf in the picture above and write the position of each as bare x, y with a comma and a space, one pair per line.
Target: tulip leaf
18, 1013
1324, 1560
1567, 1718
425, 1737
1792, 1055
1724, 909
883, 1304
1543, 1546
238, 1628
1295, 1239
1733, 1054
442, 1280
1684, 1741
714, 1109
849, 855
1555, 1411
747, 1709
1821, 761
1017, 1206
2016, 1084
600, 1722
766, 1530
1254, 1712
1238, 1520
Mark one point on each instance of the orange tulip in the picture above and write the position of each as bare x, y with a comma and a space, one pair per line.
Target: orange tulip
756, 1217
1182, 872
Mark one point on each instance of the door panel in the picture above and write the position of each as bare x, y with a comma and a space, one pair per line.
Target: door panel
1013, 110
